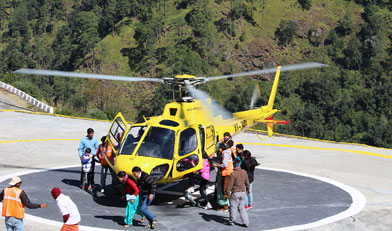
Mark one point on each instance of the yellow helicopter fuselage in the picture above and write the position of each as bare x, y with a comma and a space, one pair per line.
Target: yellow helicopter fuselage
170, 146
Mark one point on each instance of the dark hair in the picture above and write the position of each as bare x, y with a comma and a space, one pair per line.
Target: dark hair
237, 163
136, 169
246, 154
240, 146
121, 174
226, 134
206, 156
103, 139
88, 150
229, 143
90, 130
222, 146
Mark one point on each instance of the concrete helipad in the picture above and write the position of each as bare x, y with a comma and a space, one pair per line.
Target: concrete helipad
285, 198
281, 199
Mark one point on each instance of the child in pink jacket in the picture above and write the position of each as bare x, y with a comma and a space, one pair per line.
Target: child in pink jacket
204, 177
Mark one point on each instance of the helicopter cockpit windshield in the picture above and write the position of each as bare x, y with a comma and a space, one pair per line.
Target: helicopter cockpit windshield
158, 142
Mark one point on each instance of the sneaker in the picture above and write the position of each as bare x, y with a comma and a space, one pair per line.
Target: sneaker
154, 224
230, 223
208, 206
90, 187
247, 207
190, 190
83, 187
250, 206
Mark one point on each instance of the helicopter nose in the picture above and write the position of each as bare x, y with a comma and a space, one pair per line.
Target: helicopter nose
156, 167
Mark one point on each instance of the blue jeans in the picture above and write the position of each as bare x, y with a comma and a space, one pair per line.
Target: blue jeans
144, 203
13, 224
249, 198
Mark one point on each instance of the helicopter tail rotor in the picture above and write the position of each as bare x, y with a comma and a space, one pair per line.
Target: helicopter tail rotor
270, 124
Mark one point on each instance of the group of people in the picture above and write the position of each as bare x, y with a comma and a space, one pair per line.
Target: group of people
91, 152
139, 192
233, 185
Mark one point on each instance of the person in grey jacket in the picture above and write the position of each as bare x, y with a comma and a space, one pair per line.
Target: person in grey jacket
235, 191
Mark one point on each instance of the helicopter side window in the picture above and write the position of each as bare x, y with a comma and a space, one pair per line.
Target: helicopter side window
133, 137
158, 142
188, 141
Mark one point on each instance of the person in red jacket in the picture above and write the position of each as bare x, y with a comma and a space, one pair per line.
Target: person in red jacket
131, 194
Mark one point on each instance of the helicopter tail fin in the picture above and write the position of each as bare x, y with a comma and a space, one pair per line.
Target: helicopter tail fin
274, 89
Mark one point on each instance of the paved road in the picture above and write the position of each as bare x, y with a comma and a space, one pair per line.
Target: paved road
363, 168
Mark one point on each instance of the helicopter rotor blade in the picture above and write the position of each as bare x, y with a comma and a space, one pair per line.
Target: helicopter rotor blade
266, 71
214, 107
28, 71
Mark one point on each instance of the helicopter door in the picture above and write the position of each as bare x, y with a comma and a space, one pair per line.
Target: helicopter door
117, 131
188, 157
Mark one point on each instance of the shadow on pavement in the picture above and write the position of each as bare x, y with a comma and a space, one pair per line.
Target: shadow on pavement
216, 218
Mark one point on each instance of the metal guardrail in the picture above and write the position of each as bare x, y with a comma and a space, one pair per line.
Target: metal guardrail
27, 97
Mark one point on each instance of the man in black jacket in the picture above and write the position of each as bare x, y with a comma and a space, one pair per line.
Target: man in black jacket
148, 187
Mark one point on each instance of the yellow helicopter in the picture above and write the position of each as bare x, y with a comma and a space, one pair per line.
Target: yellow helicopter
170, 146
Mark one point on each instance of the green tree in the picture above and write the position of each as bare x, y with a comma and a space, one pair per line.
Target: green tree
58, 9
19, 24
180, 60
286, 32
146, 33
335, 45
123, 8
41, 54
200, 20
63, 49
345, 26
44, 17
108, 17
85, 34
13, 57
353, 55
3, 12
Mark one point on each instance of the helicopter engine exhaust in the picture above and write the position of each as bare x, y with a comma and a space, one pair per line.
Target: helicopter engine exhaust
214, 107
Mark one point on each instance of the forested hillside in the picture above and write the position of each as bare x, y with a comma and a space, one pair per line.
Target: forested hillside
349, 101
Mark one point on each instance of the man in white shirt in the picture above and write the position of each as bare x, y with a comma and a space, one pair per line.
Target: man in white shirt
68, 210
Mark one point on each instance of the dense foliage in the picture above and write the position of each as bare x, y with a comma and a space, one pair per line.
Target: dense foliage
349, 101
